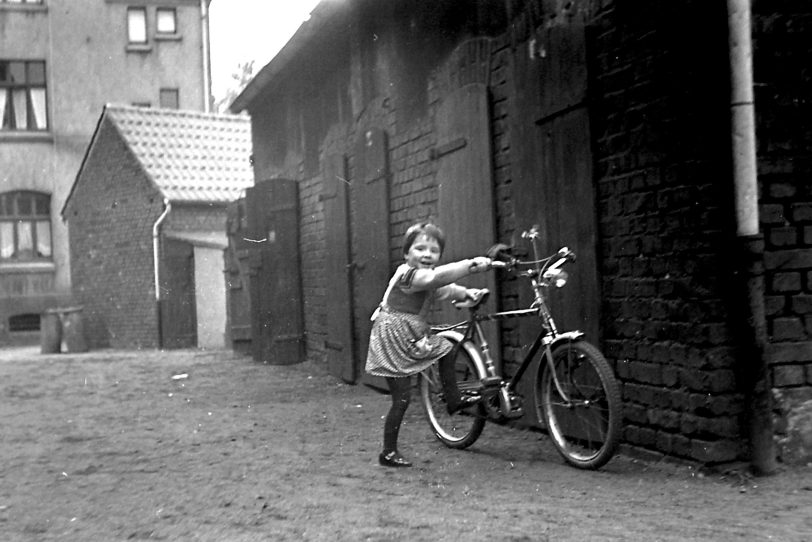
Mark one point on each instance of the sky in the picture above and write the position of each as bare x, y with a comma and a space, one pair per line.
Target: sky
244, 30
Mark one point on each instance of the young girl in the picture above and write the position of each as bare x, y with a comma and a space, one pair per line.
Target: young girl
401, 344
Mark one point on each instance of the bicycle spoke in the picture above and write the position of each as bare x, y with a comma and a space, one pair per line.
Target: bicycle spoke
583, 424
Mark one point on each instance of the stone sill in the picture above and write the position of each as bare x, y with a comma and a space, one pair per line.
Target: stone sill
27, 267
23, 7
139, 48
21, 136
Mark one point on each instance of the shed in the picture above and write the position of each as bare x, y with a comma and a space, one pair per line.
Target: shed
147, 223
597, 120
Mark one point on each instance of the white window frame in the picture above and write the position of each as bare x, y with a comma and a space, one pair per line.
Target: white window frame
137, 25
24, 97
174, 18
25, 237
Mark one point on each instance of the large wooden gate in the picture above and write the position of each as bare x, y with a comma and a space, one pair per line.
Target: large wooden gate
275, 281
238, 298
465, 207
340, 344
552, 179
370, 226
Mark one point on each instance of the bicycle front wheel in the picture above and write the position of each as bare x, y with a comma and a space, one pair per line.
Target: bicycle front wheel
458, 430
582, 412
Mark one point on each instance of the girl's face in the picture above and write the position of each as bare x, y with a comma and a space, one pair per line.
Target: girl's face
424, 252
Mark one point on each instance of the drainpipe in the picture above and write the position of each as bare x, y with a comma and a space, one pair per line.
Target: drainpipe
750, 239
156, 246
204, 34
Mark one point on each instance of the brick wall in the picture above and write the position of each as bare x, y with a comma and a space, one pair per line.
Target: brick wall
110, 219
661, 129
783, 87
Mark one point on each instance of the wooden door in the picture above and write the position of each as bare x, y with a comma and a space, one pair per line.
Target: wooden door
238, 300
339, 344
275, 276
553, 181
178, 308
370, 227
464, 175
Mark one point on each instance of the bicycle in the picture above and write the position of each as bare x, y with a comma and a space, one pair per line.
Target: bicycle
576, 394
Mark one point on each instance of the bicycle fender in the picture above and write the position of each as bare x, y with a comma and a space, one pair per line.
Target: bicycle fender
567, 336
470, 348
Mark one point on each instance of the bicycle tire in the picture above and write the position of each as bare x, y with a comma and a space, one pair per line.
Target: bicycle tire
585, 432
458, 430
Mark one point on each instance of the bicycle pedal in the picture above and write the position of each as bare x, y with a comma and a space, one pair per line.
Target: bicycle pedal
491, 382
515, 413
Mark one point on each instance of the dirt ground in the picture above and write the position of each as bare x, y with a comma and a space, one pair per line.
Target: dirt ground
107, 446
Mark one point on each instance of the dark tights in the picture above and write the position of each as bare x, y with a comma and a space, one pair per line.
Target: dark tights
401, 390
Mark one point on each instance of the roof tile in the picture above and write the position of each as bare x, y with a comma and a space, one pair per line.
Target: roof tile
189, 155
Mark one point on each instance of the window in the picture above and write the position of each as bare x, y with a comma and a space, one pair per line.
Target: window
25, 226
169, 98
166, 21
137, 25
22, 95
24, 322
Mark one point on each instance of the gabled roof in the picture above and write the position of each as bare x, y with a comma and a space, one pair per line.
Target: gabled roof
189, 156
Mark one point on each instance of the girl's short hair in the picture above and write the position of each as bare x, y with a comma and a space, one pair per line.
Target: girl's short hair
426, 228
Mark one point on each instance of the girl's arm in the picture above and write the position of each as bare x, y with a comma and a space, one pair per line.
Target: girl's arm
443, 275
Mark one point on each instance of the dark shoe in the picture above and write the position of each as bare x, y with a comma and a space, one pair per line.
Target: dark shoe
393, 459
465, 402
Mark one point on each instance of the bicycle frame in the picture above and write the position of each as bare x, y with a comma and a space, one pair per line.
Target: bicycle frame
546, 338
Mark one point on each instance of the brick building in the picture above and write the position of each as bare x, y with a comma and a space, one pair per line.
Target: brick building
60, 62
149, 208
608, 122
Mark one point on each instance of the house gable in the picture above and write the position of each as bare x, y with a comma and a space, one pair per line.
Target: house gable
110, 213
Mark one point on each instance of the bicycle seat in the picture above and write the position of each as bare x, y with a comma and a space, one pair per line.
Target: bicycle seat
473, 303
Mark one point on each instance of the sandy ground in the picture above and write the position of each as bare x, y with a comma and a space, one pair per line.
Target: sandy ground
107, 446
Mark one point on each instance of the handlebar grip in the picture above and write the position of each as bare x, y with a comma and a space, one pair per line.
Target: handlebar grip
496, 264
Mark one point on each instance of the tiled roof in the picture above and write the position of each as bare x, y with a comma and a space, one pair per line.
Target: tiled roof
189, 155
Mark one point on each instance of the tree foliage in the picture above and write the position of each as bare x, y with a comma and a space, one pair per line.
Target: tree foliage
241, 77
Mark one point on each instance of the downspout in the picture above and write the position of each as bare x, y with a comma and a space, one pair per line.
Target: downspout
204, 34
750, 239
156, 250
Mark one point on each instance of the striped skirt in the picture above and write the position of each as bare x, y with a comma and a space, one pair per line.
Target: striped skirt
401, 344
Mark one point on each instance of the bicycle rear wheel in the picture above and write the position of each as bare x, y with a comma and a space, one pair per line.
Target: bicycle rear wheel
458, 430
584, 423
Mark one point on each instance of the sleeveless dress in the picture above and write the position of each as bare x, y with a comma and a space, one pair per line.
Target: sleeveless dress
401, 343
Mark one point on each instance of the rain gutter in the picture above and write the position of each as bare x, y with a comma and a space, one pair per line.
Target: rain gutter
156, 250
750, 240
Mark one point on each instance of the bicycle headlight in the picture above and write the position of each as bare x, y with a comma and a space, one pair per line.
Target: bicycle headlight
556, 277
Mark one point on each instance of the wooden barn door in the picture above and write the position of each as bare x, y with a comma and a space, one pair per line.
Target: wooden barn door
276, 294
178, 308
238, 300
370, 226
465, 207
339, 345
553, 180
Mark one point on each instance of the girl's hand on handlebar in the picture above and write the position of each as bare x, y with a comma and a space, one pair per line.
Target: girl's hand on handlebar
479, 264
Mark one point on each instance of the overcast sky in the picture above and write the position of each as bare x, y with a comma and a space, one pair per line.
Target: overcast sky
243, 30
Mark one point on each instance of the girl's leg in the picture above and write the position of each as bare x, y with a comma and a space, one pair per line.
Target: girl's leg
448, 376
401, 391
